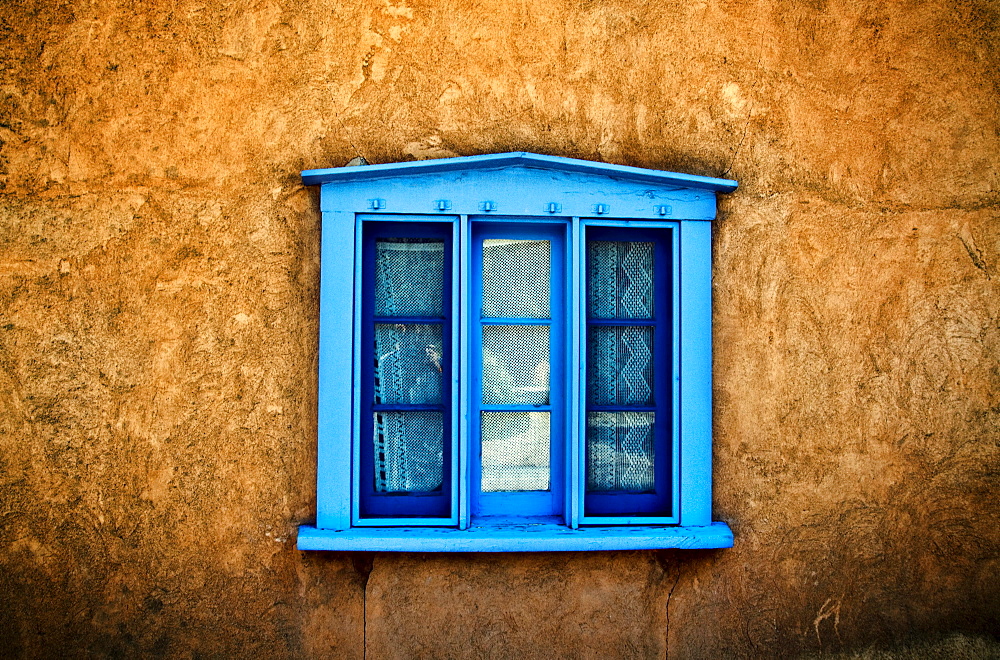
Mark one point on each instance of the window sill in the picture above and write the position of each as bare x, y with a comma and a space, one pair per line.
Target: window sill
515, 538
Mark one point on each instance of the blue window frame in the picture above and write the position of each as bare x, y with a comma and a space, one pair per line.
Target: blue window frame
517, 419
515, 354
406, 356
630, 367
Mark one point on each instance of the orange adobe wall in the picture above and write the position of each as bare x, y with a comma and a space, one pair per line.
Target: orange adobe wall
158, 299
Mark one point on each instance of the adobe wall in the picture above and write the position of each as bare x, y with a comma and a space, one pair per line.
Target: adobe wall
158, 299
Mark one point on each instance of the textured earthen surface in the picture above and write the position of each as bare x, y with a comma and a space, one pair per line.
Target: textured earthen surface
158, 297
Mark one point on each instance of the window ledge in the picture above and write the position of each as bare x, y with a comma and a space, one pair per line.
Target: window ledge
515, 538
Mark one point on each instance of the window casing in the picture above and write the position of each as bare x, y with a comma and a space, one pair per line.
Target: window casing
525, 381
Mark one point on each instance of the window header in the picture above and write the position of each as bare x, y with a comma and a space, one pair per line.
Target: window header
518, 184
516, 159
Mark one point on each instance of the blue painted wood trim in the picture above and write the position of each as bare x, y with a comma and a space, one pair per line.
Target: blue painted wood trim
455, 391
333, 470
577, 194
516, 538
575, 420
696, 373
535, 503
465, 387
660, 506
356, 382
398, 506
516, 159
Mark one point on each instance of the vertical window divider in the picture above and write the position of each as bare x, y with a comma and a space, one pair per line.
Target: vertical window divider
574, 458
356, 389
464, 401
456, 380
334, 439
696, 372
675, 359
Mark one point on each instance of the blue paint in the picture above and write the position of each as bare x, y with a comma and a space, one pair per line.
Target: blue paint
531, 503
696, 373
356, 440
516, 538
465, 381
516, 159
612, 507
333, 469
457, 480
575, 420
576, 194
391, 506
519, 195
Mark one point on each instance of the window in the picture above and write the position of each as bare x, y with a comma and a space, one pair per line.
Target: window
515, 354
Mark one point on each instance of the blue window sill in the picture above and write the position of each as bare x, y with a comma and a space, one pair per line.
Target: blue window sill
515, 538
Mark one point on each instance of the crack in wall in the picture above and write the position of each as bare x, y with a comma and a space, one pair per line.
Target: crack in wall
363, 564
666, 640
667, 564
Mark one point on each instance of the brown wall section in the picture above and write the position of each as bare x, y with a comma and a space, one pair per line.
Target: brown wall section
158, 297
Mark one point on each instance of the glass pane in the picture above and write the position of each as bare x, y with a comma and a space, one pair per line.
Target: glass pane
620, 280
516, 276
407, 363
619, 365
515, 449
516, 364
409, 452
409, 277
620, 451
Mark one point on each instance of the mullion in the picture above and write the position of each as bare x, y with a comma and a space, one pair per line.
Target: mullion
406, 407
620, 408
623, 322
514, 321
411, 320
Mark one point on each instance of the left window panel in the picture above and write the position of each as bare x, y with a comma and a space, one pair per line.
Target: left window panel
405, 412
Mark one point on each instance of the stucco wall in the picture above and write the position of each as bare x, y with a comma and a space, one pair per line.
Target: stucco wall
158, 298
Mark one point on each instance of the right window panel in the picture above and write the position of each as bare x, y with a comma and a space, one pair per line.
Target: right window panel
629, 352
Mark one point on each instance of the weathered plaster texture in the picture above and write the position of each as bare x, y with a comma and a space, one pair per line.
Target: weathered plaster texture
158, 297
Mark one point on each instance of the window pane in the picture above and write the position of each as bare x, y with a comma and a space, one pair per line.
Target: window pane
516, 276
620, 451
409, 452
409, 277
619, 365
407, 363
515, 449
620, 280
516, 364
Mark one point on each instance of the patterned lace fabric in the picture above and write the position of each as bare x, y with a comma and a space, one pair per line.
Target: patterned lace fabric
516, 278
517, 285
620, 280
515, 451
408, 444
620, 448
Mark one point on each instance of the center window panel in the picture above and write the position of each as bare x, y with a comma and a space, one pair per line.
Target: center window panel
518, 421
